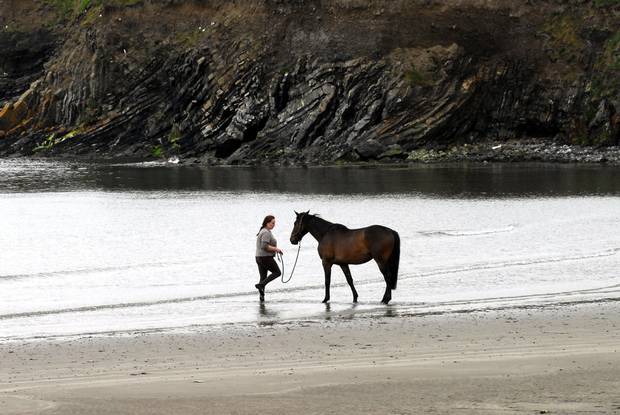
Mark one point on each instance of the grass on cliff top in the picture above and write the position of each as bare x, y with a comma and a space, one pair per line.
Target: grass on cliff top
416, 78
68, 8
605, 79
564, 44
606, 3
564, 33
611, 54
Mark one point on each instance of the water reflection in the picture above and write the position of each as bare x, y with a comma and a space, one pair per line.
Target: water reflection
461, 181
452, 181
328, 309
390, 311
265, 312
350, 313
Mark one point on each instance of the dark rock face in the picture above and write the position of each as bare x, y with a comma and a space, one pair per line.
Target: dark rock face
22, 59
317, 82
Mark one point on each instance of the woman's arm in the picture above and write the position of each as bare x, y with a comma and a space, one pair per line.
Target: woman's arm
275, 249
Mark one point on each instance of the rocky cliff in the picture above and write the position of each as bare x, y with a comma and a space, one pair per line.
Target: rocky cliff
304, 81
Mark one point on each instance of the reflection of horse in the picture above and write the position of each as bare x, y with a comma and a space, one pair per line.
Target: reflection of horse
343, 246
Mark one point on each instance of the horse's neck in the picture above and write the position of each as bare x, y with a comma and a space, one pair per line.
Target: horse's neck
318, 227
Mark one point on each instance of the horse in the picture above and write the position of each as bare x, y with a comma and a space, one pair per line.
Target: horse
343, 246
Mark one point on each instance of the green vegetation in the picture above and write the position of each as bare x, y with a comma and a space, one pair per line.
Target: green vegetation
611, 53
606, 3
604, 81
417, 78
69, 8
583, 139
157, 151
163, 150
189, 38
564, 35
565, 45
53, 140
118, 3
174, 137
602, 139
63, 7
46, 144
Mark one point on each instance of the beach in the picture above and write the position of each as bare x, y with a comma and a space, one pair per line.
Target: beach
130, 290
557, 359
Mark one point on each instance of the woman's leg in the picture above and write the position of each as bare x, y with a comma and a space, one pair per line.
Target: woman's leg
262, 269
262, 272
269, 263
273, 267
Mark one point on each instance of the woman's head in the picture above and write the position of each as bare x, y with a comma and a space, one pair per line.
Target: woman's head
269, 222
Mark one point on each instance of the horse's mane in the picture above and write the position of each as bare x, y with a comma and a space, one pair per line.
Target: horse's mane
331, 224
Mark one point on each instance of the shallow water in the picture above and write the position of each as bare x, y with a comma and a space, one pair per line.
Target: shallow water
124, 248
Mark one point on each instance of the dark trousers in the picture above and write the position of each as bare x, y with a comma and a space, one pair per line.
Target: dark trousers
266, 264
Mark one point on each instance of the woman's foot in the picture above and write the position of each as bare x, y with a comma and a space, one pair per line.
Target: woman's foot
261, 291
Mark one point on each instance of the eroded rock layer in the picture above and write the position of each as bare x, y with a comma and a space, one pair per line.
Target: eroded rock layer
250, 81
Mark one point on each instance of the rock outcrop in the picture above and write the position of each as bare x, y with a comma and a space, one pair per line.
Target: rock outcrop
251, 81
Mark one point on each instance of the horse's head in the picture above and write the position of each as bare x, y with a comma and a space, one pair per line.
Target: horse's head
299, 228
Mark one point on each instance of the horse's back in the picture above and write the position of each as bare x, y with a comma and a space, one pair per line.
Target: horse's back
380, 239
378, 231
371, 234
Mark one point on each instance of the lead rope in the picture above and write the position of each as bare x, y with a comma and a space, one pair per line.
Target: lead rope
279, 255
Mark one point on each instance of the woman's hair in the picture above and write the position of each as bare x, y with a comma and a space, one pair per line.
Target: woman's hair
267, 219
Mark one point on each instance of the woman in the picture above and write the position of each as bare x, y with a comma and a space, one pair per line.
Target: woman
266, 249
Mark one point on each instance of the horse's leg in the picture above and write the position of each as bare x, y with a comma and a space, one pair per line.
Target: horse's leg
327, 268
387, 296
347, 274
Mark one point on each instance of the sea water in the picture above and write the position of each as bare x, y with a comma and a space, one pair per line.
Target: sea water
92, 249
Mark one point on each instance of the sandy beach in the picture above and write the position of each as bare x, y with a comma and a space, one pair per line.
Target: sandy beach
561, 360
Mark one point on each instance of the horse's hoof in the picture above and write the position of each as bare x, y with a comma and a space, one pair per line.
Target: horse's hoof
325, 300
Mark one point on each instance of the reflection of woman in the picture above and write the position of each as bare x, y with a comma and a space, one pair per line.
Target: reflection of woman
266, 248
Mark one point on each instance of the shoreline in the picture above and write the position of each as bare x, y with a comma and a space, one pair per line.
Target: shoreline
485, 152
561, 359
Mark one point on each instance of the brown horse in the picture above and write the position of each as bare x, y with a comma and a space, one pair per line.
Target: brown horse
343, 246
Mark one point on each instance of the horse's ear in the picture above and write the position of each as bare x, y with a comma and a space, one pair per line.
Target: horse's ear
296, 213
308, 212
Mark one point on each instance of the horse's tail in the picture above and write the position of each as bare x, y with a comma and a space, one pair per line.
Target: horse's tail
393, 261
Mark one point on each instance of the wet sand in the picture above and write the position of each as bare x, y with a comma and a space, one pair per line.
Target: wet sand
558, 360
